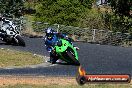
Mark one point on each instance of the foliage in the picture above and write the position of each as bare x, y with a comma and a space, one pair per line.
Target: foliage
121, 7
121, 20
92, 19
66, 12
13, 7
79, 13
116, 23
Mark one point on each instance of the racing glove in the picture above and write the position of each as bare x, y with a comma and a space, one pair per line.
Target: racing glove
49, 49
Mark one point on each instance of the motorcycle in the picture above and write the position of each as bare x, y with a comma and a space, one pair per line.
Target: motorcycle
10, 34
65, 51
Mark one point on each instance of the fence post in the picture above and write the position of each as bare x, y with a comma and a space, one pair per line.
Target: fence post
58, 26
94, 34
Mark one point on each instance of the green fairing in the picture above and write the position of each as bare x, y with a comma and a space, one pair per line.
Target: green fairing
65, 45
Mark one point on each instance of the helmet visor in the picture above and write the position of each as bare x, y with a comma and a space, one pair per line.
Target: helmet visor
49, 35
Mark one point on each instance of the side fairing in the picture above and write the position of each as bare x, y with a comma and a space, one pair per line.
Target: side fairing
64, 46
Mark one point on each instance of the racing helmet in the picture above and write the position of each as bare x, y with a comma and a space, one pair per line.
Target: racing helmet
49, 33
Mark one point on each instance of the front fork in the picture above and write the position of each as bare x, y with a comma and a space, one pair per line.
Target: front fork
16, 40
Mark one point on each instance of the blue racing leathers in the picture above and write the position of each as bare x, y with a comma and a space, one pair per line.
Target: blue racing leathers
50, 43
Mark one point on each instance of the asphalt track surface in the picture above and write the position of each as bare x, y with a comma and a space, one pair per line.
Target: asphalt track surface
95, 59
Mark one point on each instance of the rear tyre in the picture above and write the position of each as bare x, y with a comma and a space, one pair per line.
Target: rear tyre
20, 40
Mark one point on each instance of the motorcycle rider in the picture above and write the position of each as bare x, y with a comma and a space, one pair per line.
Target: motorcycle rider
51, 39
4, 25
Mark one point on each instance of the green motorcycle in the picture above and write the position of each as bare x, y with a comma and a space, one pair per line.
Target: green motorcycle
65, 51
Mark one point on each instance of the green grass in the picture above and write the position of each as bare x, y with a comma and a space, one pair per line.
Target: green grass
70, 86
17, 58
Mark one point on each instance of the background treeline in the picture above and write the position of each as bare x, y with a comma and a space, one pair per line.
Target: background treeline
11, 8
66, 12
115, 16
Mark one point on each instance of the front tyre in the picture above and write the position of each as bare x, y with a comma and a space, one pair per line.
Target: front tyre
20, 41
72, 57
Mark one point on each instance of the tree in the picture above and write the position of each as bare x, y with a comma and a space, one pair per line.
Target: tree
13, 7
87, 3
67, 12
122, 18
121, 7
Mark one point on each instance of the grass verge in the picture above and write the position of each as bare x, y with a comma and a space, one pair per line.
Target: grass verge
69, 86
18, 58
51, 82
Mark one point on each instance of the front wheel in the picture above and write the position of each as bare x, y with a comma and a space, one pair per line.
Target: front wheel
73, 60
19, 40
